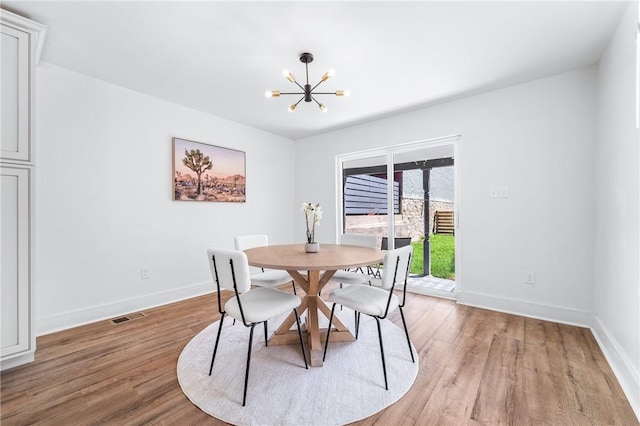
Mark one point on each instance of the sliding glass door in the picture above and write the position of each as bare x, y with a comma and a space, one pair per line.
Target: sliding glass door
396, 194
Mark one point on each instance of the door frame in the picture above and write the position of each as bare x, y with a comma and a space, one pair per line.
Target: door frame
389, 152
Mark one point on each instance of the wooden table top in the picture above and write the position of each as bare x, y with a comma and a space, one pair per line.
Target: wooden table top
330, 257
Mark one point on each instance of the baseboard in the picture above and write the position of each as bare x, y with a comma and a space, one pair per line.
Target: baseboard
6, 364
620, 363
65, 320
559, 314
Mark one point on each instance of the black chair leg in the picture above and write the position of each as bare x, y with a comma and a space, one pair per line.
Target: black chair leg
406, 332
215, 348
293, 283
355, 322
326, 344
266, 341
304, 354
246, 374
384, 365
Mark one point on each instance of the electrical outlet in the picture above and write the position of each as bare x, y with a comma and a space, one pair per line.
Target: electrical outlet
530, 277
144, 273
499, 192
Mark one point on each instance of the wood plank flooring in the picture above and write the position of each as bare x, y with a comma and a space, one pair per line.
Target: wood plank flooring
477, 367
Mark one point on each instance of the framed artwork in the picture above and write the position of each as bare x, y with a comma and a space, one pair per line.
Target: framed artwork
203, 172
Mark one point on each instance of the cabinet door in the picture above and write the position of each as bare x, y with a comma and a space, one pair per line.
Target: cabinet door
15, 260
16, 83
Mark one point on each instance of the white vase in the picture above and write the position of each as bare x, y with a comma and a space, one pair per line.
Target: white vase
312, 247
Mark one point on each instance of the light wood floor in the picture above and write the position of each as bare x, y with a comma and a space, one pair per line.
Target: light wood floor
476, 367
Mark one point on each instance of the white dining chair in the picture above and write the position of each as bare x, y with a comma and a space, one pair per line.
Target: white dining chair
375, 301
355, 276
260, 277
384, 246
230, 270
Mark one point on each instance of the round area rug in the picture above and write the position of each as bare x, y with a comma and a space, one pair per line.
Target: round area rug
348, 387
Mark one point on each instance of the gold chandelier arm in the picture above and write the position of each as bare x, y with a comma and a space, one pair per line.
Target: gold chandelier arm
326, 76
277, 93
322, 107
293, 107
314, 87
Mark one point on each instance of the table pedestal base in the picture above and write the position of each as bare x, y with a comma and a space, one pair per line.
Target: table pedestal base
311, 304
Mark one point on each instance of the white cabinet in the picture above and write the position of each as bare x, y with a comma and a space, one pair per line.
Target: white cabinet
21, 41
16, 109
21, 45
15, 252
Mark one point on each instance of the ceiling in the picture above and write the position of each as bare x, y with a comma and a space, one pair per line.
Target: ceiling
221, 57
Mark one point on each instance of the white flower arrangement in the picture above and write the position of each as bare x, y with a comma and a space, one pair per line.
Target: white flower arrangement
313, 214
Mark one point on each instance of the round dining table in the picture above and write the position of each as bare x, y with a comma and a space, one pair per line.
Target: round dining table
319, 267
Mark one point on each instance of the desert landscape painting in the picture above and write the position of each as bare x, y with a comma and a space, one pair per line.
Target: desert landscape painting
203, 172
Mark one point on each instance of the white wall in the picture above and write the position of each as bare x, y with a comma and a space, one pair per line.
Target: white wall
617, 277
104, 199
538, 139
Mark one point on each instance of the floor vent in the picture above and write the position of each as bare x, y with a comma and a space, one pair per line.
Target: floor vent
127, 317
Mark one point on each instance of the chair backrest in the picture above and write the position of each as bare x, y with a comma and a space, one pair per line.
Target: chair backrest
229, 266
250, 241
398, 242
396, 264
245, 242
358, 240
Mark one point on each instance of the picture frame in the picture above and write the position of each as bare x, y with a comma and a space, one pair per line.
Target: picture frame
204, 172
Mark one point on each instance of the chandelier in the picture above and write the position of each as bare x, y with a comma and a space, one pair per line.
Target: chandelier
307, 93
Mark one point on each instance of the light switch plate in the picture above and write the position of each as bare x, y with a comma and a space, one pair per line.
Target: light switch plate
530, 277
499, 192
144, 273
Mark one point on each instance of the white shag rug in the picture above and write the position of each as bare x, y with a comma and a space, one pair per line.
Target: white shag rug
348, 387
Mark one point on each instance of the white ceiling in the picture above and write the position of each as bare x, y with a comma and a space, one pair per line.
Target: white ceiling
220, 57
